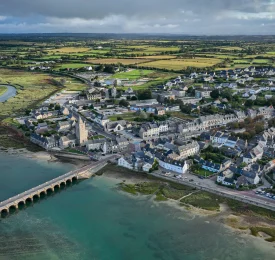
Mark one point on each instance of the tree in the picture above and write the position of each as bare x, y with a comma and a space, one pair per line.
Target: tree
186, 108
143, 115
123, 103
259, 127
119, 118
133, 98
215, 94
226, 94
144, 94
57, 107
249, 103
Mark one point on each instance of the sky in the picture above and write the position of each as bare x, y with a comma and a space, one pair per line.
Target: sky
195, 17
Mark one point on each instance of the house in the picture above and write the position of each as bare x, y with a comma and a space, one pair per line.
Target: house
202, 93
126, 162
46, 142
178, 92
149, 131
115, 126
64, 126
159, 110
172, 165
95, 144
93, 94
219, 138
226, 178
41, 128
185, 150
68, 141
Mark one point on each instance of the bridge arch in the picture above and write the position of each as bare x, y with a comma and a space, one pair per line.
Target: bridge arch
62, 184
43, 193
74, 178
36, 196
68, 181
4, 211
28, 200
21, 203
12, 208
50, 189
56, 186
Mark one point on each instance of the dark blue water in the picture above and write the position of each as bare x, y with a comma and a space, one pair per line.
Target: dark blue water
93, 220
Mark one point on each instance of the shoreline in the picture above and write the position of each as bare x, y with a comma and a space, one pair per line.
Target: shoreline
236, 222
42, 156
241, 224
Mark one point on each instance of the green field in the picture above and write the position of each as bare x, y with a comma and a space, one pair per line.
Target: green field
126, 116
132, 75
3, 90
32, 88
73, 65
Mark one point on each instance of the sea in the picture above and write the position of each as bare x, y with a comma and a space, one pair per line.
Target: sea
93, 220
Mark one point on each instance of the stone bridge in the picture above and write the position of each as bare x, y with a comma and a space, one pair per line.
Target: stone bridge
21, 199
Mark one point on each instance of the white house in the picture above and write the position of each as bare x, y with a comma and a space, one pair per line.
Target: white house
126, 162
172, 165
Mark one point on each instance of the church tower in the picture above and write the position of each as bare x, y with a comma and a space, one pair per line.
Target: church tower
81, 132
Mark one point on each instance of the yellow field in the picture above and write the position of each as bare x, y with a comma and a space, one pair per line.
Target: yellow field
233, 48
157, 57
69, 50
178, 64
115, 61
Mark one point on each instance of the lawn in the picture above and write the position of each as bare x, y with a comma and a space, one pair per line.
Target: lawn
180, 64
132, 75
126, 116
72, 83
202, 172
180, 115
116, 61
72, 65
70, 150
3, 90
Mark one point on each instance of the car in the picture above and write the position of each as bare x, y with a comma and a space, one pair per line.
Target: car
191, 180
201, 177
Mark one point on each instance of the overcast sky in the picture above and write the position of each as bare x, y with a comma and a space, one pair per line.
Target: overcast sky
138, 16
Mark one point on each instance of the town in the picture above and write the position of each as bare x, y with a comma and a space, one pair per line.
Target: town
214, 128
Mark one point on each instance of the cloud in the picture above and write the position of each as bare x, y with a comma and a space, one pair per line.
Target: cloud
143, 16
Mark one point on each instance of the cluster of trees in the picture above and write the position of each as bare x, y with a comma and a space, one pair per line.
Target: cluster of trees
252, 126
260, 102
54, 107
144, 94
106, 68
143, 117
215, 94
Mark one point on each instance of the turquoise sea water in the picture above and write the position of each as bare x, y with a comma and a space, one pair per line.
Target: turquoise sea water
93, 220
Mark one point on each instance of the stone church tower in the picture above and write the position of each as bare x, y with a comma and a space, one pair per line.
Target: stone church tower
81, 132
